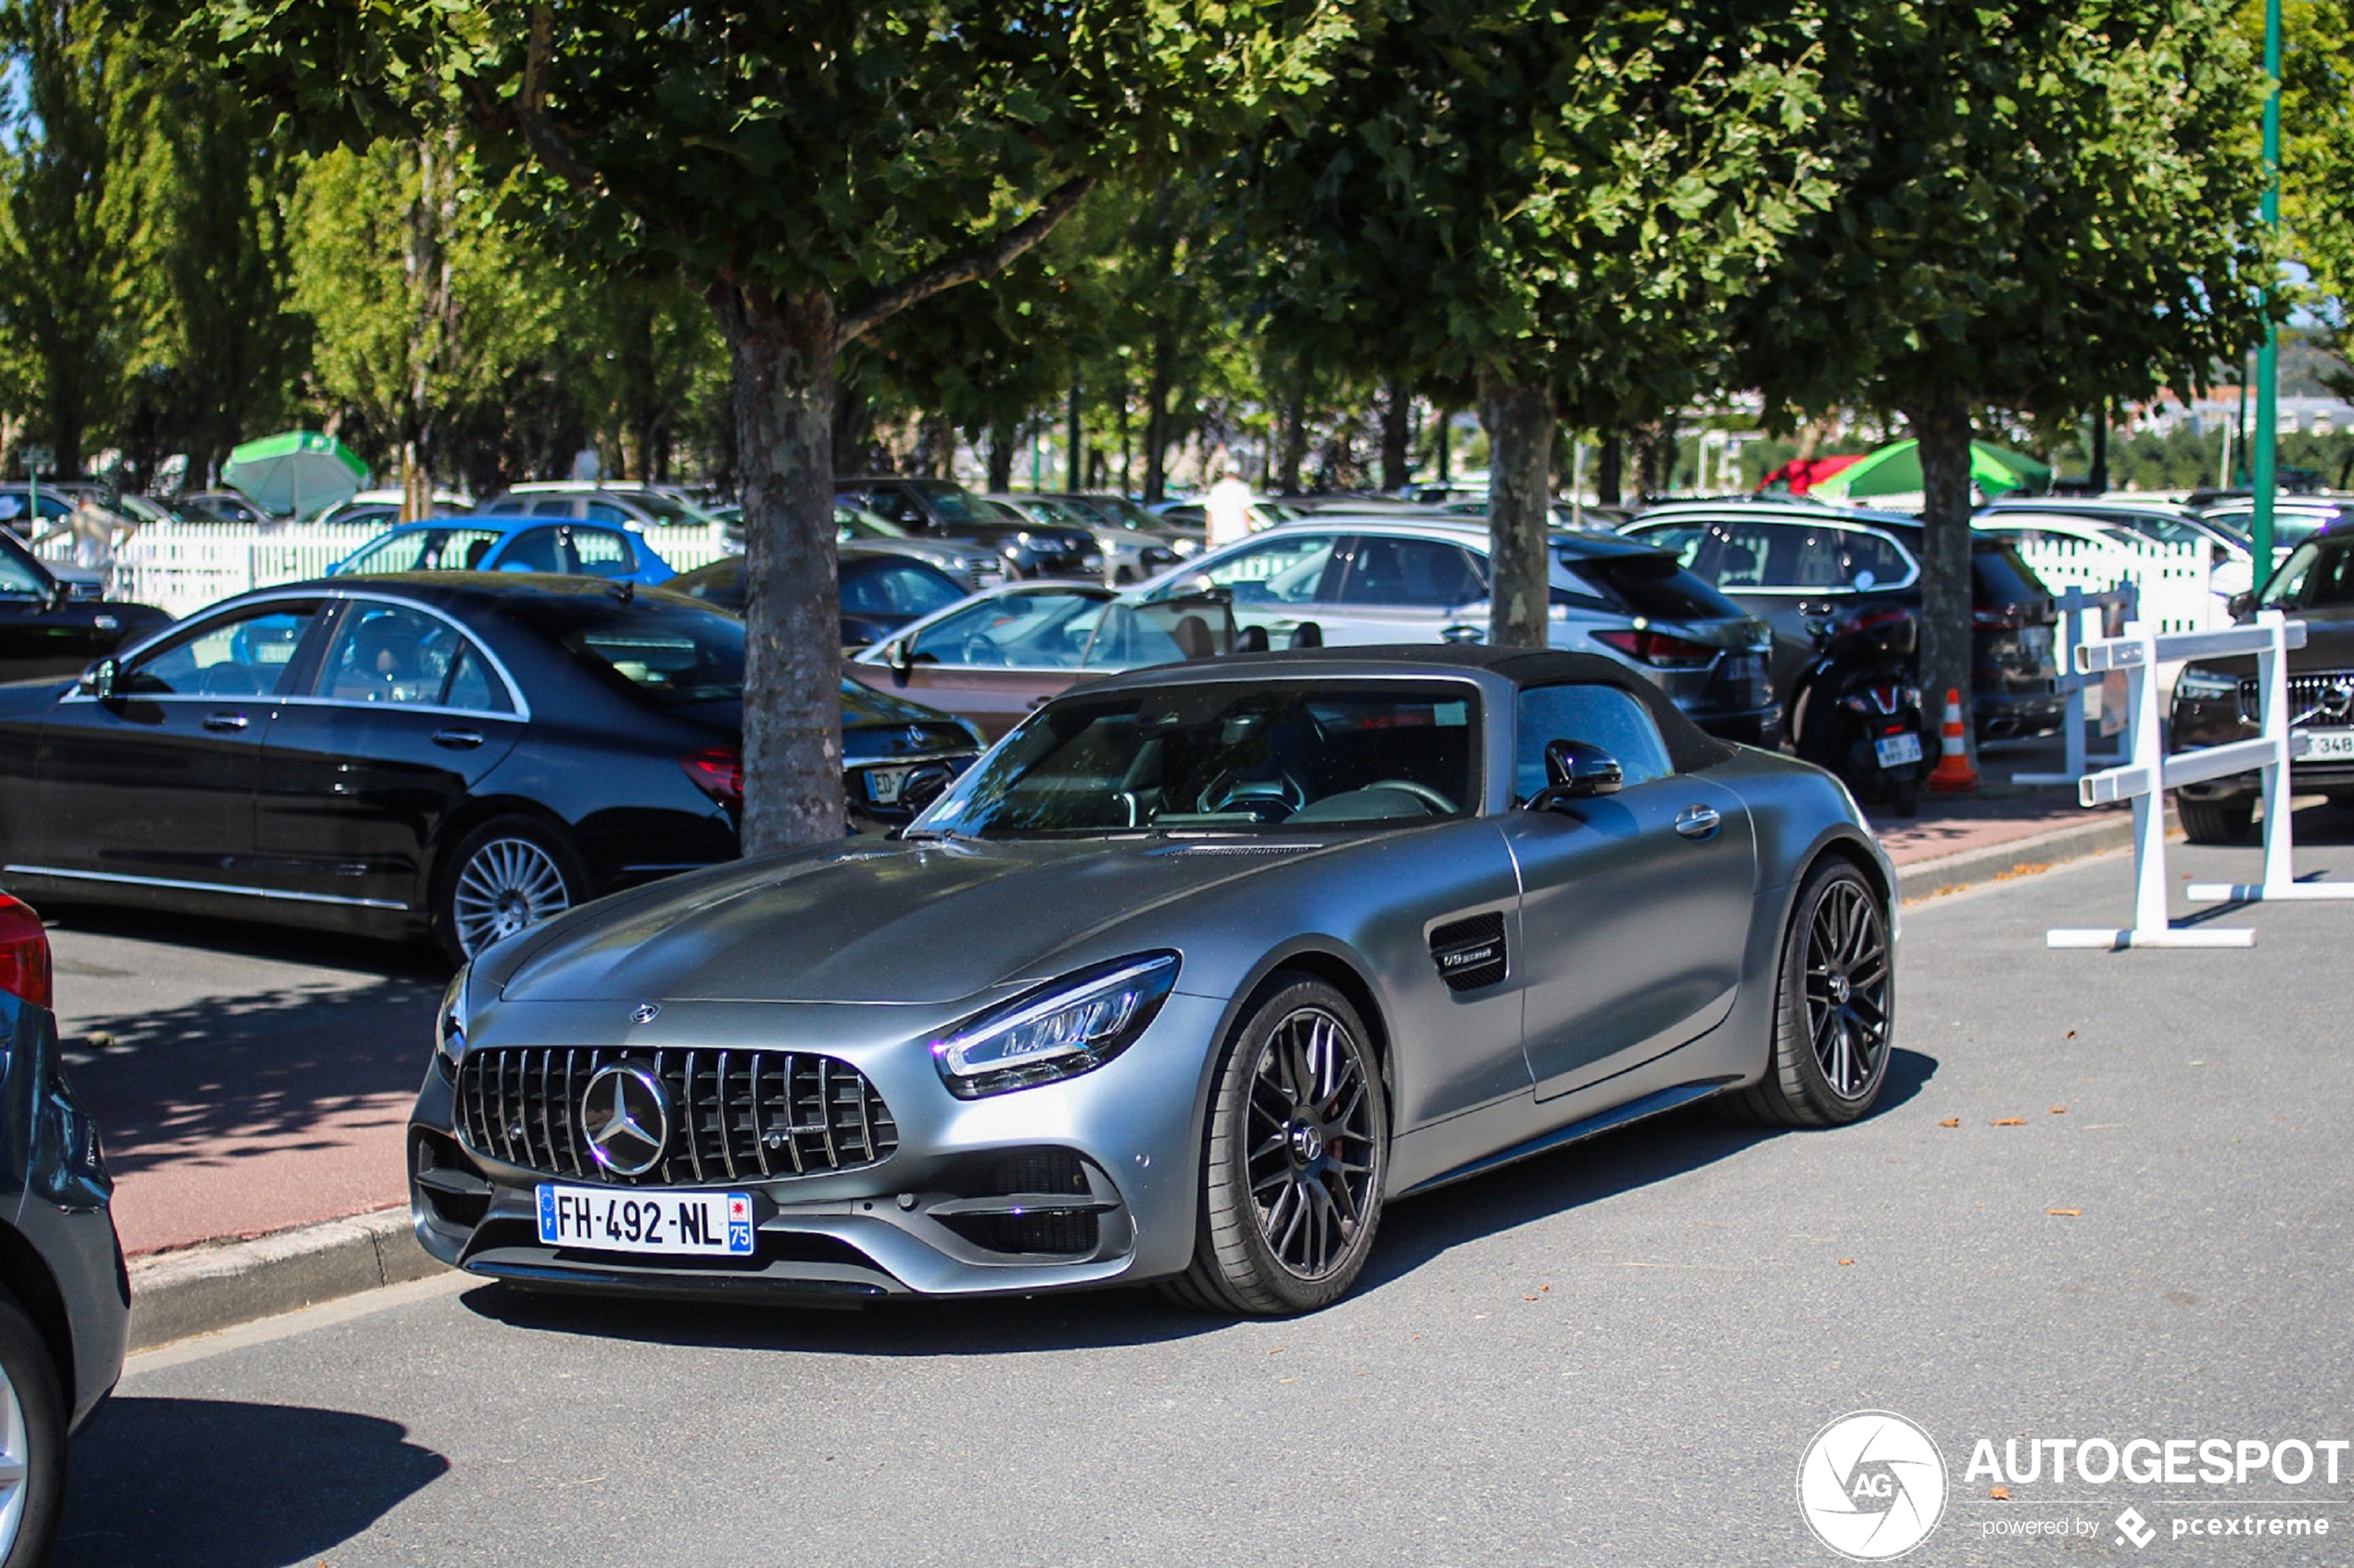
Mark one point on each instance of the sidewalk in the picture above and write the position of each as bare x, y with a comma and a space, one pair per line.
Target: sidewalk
1999, 812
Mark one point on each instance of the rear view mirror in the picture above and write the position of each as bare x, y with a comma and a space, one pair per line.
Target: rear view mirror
2240, 604
98, 681
1576, 770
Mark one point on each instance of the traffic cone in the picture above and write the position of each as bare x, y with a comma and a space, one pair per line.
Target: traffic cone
1954, 774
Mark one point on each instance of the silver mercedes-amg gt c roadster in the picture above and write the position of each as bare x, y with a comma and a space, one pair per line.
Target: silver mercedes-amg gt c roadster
1183, 981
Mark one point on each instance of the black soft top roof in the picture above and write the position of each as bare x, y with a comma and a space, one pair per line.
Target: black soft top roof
1688, 747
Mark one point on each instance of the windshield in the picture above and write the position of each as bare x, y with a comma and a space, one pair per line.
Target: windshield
2318, 575
852, 523
668, 509
426, 549
956, 504
1226, 758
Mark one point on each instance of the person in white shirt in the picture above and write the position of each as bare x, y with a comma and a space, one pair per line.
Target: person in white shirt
1228, 505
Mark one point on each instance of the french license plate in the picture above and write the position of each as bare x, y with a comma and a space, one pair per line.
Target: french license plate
884, 785
1895, 750
691, 1224
2329, 745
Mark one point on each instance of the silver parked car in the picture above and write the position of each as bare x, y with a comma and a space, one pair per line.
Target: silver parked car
1183, 982
1340, 580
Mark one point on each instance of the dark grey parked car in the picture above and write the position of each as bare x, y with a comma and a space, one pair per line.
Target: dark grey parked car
64, 1298
1183, 982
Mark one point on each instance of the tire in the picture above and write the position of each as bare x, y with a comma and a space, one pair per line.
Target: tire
32, 1433
506, 876
1323, 1159
1834, 1007
2217, 822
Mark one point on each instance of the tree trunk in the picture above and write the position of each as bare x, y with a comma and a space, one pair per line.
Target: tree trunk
781, 354
1157, 423
1520, 445
1396, 432
1292, 443
1943, 428
1074, 445
2098, 476
1443, 424
1004, 430
1610, 479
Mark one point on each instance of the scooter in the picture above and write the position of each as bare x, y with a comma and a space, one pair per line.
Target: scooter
1861, 716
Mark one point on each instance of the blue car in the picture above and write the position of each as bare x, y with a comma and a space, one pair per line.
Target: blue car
521, 544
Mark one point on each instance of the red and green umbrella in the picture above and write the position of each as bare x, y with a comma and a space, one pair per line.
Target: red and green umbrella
1896, 470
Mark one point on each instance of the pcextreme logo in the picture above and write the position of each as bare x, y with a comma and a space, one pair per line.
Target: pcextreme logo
1871, 1485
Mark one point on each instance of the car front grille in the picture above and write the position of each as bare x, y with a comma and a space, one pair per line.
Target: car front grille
734, 1115
2310, 692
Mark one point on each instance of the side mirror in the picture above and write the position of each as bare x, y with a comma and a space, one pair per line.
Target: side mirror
2239, 604
100, 681
902, 660
926, 785
1576, 770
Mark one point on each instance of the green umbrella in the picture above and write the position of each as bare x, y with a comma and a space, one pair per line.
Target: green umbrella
1896, 470
299, 473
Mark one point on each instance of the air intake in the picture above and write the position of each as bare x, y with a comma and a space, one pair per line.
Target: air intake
1470, 954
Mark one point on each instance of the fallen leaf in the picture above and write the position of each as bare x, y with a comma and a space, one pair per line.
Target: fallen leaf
2000, 1494
1528, 1299
2066, 1213
1278, 1350
2059, 1110
2009, 1121
2072, 1034
1847, 1262
1287, 1380
1544, 1287
1951, 1121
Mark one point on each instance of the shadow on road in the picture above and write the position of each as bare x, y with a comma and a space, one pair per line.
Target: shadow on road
235, 1074
213, 1484
253, 939
1413, 1234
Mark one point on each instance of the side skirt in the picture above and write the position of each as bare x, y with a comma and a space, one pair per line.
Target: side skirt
1651, 1104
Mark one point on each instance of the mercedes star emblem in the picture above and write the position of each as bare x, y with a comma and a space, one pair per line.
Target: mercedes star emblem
626, 1115
646, 1012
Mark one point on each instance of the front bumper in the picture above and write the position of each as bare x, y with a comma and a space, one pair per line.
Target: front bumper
954, 1209
2217, 721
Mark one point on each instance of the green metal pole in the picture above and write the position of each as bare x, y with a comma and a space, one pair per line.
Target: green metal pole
2268, 356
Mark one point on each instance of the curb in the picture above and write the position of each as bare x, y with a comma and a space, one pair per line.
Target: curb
209, 1288
2014, 857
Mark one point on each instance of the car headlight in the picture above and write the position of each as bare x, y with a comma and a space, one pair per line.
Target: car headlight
1065, 1028
2205, 686
1186, 549
450, 1023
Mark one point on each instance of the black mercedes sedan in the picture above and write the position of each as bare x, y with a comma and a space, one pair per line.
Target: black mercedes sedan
462, 754
46, 630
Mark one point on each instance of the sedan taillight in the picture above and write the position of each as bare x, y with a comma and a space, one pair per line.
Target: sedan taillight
1661, 650
718, 772
24, 955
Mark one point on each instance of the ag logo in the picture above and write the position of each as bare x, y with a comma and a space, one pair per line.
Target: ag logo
1871, 1485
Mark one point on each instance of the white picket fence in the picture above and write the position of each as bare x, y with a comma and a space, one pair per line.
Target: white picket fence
2174, 583
181, 568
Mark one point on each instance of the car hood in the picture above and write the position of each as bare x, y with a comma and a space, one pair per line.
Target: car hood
2329, 645
866, 921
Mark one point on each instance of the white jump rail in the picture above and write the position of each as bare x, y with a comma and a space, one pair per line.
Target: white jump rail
2073, 605
2145, 779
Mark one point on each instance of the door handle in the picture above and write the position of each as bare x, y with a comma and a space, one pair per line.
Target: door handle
1699, 821
458, 740
225, 723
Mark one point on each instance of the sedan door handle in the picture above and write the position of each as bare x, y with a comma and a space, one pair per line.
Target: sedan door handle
1699, 821
458, 740
226, 724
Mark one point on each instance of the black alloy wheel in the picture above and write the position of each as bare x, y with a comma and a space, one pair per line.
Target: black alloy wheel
1297, 1151
1835, 1006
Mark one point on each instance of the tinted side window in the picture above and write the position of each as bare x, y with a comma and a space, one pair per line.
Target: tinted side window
551, 508
392, 653
244, 655
1035, 631
1288, 569
18, 575
1599, 715
606, 512
1417, 573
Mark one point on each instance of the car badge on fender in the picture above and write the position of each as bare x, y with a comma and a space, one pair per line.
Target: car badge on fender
626, 1114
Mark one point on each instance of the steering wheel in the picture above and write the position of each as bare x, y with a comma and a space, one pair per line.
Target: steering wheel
978, 649
1422, 793
1227, 790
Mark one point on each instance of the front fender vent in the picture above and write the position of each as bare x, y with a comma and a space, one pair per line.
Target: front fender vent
1470, 954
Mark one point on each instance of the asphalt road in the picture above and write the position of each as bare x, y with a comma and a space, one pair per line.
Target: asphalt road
1614, 1354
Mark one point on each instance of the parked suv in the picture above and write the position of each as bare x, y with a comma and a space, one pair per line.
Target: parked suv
1348, 580
647, 506
1797, 565
2215, 700
64, 1298
945, 510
